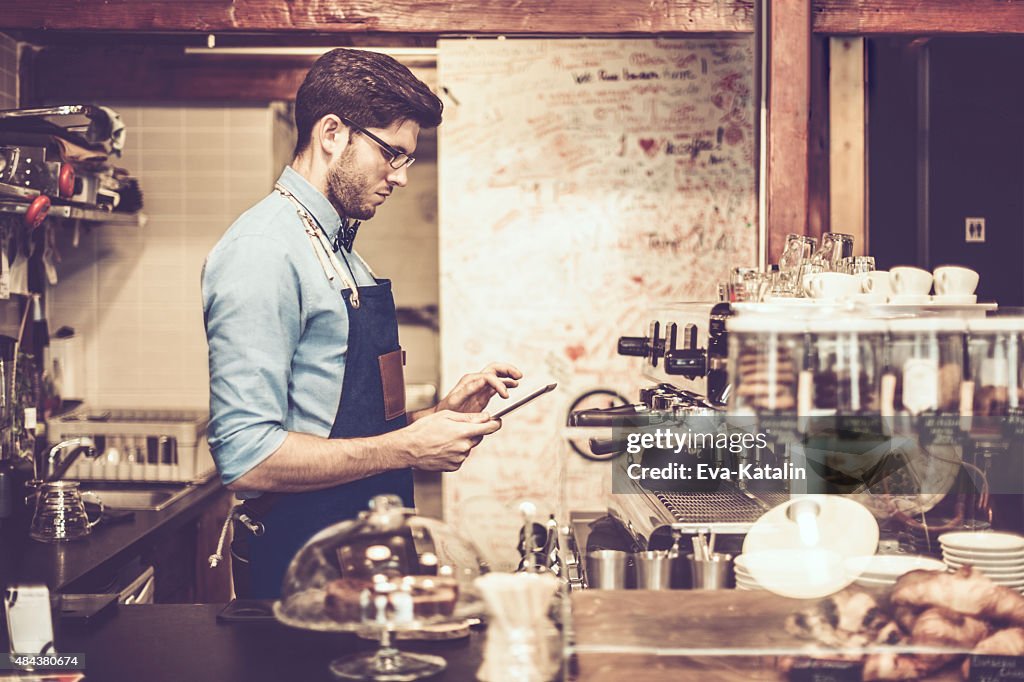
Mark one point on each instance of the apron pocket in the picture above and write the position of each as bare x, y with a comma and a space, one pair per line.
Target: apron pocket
392, 380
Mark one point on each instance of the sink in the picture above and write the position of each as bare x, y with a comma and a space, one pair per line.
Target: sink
136, 497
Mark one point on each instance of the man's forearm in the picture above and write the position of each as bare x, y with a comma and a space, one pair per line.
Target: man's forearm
419, 414
306, 462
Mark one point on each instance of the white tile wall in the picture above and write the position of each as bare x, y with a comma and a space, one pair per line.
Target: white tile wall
8, 72
133, 293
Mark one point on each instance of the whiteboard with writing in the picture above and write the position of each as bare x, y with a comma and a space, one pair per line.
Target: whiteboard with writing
581, 183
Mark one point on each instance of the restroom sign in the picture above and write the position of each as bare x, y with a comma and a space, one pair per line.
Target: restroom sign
974, 229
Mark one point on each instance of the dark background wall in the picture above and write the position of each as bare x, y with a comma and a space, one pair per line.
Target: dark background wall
946, 142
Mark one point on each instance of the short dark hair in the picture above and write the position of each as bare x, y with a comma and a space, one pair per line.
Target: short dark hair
370, 88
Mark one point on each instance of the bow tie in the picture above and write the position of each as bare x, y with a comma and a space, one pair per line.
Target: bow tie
346, 235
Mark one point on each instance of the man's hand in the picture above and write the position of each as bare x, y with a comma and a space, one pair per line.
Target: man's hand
442, 441
474, 391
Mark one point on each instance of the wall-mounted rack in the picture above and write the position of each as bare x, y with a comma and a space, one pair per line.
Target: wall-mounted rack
75, 212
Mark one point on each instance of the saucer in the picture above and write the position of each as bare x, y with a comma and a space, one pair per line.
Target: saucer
789, 300
871, 297
910, 299
955, 299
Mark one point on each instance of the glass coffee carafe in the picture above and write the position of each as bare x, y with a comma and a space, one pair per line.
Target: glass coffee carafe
60, 512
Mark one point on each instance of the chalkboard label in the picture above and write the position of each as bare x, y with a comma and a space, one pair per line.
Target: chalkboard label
860, 427
782, 428
819, 670
1013, 425
992, 668
936, 428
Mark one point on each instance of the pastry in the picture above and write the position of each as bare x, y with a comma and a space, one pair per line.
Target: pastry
967, 591
957, 612
433, 596
943, 627
344, 600
1008, 642
889, 666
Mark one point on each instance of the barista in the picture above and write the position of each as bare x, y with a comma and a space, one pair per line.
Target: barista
307, 401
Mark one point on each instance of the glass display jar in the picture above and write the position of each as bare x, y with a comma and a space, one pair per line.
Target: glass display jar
925, 365
765, 359
388, 570
996, 365
844, 354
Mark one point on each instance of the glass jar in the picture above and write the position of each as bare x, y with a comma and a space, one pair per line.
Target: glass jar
765, 359
844, 355
996, 366
925, 363
387, 571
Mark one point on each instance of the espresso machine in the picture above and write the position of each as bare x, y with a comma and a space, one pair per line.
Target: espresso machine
685, 356
921, 401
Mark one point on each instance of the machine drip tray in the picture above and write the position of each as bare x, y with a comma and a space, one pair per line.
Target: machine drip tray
722, 506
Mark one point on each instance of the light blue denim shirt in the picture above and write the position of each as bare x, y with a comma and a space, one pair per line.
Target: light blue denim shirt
277, 329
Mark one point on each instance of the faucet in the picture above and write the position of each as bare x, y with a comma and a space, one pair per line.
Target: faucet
55, 469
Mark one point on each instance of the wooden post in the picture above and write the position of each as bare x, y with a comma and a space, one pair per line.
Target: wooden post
818, 182
789, 77
847, 139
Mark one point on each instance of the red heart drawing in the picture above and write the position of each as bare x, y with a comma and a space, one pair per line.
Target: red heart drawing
649, 146
575, 352
733, 135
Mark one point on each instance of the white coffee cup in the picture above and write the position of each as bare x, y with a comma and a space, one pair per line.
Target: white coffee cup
910, 281
831, 285
875, 282
954, 280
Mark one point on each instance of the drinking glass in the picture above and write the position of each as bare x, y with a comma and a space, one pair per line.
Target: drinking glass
855, 265
835, 246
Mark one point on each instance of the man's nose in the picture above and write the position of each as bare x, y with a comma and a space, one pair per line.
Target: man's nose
399, 177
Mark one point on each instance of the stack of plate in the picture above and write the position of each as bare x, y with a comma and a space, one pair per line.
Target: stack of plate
882, 570
744, 581
1000, 556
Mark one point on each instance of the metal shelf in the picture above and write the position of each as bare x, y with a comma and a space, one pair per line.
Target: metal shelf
75, 212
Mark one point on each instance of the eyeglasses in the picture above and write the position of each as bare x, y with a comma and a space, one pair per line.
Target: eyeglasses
398, 159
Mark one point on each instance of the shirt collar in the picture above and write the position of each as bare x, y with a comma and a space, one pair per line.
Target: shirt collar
313, 200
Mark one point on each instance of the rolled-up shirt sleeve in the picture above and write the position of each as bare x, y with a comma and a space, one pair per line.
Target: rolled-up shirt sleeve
251, 309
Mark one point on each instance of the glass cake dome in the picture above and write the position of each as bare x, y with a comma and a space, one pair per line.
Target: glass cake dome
388, 570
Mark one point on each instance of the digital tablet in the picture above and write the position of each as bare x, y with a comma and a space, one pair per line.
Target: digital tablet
515, 406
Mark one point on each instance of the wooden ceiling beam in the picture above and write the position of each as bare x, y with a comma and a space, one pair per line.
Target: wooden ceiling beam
917, 17
156, 74
537, 17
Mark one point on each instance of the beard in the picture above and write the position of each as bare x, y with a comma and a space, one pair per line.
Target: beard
347, 190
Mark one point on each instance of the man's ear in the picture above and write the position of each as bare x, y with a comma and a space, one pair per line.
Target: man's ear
331, 135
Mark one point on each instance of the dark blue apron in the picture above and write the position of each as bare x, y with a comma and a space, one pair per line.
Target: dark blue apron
295, 517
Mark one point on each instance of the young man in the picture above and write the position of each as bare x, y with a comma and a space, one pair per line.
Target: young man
307, 401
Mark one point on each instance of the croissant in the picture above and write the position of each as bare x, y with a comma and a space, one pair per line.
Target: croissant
942, 627
1008, 642
967, 591
895, 667
840, 619
905, 616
